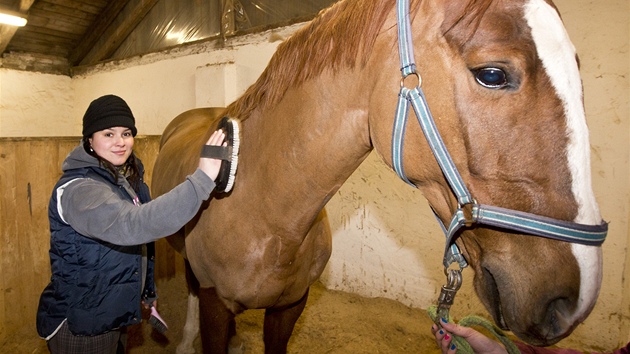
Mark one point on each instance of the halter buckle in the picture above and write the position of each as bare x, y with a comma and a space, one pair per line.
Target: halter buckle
448, 292
468, 212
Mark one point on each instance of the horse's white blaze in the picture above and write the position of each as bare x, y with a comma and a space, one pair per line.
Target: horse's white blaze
557, 54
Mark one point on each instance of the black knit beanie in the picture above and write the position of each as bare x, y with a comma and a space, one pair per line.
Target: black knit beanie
106, 112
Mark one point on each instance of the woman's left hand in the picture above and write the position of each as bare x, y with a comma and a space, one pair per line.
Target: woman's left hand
147, 306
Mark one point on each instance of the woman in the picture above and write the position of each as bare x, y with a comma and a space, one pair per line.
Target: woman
103, 225
484, 345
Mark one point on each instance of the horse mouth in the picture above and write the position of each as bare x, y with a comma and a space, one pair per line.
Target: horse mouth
494, 297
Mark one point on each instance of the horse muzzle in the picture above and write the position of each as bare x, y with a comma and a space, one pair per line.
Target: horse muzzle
540, 310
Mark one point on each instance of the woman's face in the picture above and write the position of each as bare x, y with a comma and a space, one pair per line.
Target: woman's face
113, 144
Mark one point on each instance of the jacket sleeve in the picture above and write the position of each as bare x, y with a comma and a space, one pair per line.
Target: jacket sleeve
94, 210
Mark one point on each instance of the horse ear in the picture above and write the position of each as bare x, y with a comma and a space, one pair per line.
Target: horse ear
461, 19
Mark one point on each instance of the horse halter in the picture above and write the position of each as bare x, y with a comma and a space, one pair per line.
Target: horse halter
469, 212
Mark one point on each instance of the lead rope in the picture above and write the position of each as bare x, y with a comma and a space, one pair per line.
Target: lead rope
472, 320
447, 296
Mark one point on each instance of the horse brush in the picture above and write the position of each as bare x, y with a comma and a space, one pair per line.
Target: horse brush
228, 154
156, 321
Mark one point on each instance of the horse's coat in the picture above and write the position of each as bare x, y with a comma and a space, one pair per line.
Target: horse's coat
327, 98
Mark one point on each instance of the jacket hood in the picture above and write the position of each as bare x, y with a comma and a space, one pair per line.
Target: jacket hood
79, 158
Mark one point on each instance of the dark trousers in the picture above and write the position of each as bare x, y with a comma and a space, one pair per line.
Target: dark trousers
64, 342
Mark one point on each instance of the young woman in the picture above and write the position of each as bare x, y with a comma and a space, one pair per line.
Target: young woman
103, 224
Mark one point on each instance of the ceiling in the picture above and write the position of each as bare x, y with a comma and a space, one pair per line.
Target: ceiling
61, 34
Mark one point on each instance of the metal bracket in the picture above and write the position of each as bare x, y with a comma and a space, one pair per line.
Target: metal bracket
448, 292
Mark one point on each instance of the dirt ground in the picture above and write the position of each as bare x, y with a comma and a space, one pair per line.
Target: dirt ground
332, 322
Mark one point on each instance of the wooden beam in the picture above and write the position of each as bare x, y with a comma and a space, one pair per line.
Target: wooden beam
7, 32
99, 27
25, 5
114, 37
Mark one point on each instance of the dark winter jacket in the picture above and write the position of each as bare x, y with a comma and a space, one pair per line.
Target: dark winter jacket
98, 229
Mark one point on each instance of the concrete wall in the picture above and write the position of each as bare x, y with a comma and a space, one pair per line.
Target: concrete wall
386, 242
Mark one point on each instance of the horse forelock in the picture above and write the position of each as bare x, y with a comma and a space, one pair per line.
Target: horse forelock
463, 18
558, 56
338, 37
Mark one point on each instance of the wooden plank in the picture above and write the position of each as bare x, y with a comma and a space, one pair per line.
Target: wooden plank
48, 34
57, 22
26, 287
94, 7
39, 47
66, 11
7, 227
8, 4
15, 289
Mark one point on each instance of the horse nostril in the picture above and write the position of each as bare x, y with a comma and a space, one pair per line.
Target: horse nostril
559, 320
492, 293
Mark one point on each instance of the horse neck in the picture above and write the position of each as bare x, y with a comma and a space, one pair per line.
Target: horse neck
301, 150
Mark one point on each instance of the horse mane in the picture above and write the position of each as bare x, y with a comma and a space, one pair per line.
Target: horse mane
337, 37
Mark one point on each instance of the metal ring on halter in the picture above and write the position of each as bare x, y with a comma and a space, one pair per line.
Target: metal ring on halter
402, 80
453, 278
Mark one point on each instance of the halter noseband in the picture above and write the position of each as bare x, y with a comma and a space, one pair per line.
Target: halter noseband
469, 212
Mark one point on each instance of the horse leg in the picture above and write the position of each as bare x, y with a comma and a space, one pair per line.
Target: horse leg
279, 324
191, 328
217, 323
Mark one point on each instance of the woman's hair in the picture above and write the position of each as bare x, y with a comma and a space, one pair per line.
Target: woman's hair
130, 169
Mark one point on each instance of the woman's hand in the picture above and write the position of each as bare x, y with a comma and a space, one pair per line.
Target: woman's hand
212, 166
479, 343
147, 306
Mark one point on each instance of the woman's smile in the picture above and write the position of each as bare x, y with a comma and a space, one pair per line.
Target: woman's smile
113, 144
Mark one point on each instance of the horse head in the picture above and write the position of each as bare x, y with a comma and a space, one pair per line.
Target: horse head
502, 81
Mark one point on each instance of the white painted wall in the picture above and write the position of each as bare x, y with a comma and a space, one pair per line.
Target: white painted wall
386, 242
33, 104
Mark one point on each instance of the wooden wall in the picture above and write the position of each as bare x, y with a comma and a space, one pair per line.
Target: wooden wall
29, 169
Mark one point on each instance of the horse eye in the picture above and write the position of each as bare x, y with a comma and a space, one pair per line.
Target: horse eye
493, 78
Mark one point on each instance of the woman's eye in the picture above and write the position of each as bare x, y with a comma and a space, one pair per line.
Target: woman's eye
493, 78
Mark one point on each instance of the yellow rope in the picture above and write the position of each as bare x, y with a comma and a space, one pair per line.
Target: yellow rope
462, 346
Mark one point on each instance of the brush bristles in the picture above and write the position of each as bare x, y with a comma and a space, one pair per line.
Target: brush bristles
157, 322
235, 148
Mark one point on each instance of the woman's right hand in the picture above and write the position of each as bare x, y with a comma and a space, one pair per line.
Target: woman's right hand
212, 166
478, 342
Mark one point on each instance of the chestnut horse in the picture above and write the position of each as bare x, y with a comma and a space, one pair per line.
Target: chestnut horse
502, 80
